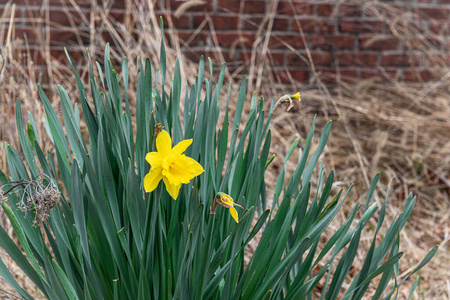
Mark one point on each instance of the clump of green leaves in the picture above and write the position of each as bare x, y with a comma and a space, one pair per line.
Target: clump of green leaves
108, 239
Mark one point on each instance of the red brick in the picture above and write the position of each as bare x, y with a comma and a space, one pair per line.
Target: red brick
391, 10
399, 59
156, 4
31, 34
293, 75
443, 1
327, 25
110, 4
76, 56
438, 13
337, 41
118, 16
281, 41
357, 59
24, 55
338, 75
198, 21
192, 39
83, 71
178, 23
295, 8
361, 26
29, 17
218, 22
321, 42
435, 59
67, 3
113, 3
421, 75
428, 41
307, 25
173, 5
57, 17
18, 13
349, 10
216, 56
237, 72
318, 59
242, 56
253, 23
114, 16
385, 75
230, 39
64, 37
280, 24
378, 42
59, 55
325, 9
249, 7
274, 58
108, 37
65, 17
341, 41
300, 75
439, 27
193, 55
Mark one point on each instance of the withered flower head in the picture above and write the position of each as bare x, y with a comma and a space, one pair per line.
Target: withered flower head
41, 198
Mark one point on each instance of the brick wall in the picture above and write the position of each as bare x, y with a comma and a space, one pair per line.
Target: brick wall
344, 40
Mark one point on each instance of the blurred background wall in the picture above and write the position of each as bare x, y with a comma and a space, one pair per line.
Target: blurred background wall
345, 40
379, 69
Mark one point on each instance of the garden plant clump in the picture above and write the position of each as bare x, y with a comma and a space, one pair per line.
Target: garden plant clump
146, 205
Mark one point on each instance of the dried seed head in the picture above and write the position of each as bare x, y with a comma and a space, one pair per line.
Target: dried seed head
45, 201
3, 197
37, 198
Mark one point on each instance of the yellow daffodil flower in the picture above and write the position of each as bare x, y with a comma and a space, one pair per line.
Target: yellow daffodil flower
296, 96
170, 165
227, 202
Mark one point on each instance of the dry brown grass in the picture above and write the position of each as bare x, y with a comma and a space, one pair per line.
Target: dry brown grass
400, 130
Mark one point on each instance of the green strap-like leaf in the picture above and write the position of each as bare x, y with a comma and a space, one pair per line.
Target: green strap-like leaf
67, 286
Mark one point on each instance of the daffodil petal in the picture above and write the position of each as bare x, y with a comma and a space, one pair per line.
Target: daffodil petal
154, 159
234, 214
181, 146
197, 168
152, 179
163, 143
172, 189
226, 199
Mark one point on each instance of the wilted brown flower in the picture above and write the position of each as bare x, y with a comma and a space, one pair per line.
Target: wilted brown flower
3, 197
41, 198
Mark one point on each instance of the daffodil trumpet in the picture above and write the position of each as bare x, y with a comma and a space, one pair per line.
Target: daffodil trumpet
296, 96
226, 201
